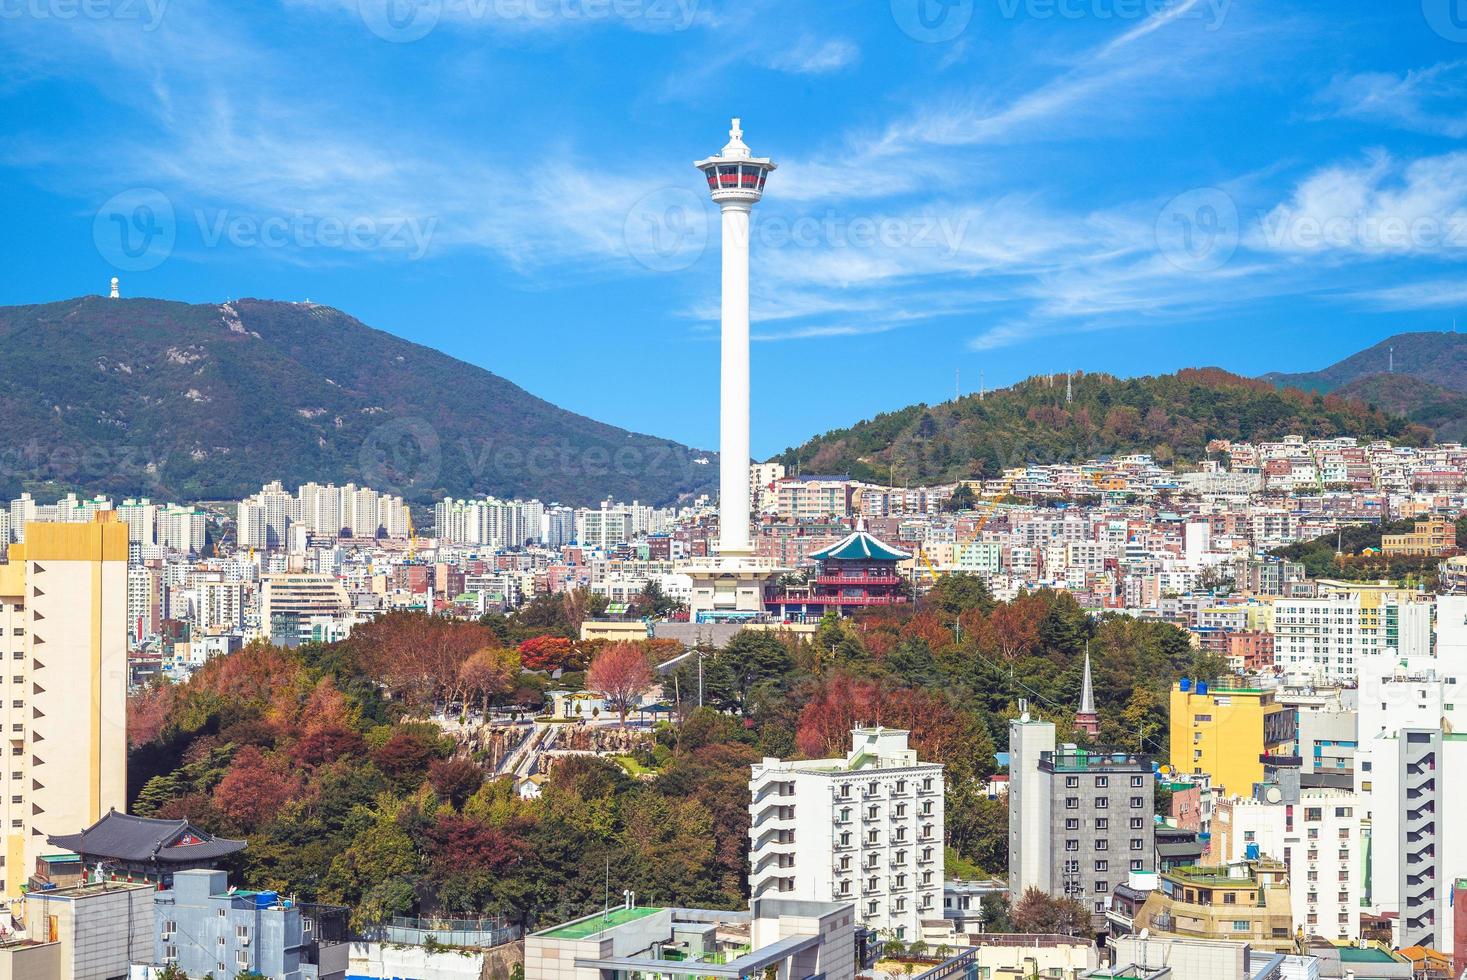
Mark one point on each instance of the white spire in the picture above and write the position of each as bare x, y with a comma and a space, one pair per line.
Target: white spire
115, 294
1087, 694
736, 149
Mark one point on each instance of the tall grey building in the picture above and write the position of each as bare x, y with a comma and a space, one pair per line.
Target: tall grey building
1080, 820
1423, 908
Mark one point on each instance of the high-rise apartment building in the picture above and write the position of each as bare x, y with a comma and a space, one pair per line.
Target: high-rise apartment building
1080, 820
1326, 637
865, 829
63, 640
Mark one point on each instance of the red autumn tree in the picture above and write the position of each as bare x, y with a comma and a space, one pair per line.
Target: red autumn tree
255, 788
620, 674
548, 653
148, 712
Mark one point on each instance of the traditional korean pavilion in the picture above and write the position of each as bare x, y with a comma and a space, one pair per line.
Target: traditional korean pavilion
857, 571
122, 847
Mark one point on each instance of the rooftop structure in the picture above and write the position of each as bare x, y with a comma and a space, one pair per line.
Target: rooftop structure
791, 938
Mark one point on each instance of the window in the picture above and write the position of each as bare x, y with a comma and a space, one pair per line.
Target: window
1102, 888
1071, 782
1102, 823
1137, 823
1137, 781
1102, 865
1101, 782
221, 915
1072, 823
1070, 845
1072, 803
1102, 803
1137, 802
1138, 844
1102, 844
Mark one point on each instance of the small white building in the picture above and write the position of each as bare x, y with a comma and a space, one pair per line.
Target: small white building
865, 829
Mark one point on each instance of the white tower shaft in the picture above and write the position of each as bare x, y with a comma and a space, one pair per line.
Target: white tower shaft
733, 447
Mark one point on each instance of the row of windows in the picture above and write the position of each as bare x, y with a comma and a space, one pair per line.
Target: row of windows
1103, 823
1101, 844
1102, 803
1101, 782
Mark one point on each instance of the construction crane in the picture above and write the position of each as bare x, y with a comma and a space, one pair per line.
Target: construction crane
986, 511
412, 534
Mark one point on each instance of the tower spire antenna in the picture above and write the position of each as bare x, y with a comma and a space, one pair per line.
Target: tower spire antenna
1085, 719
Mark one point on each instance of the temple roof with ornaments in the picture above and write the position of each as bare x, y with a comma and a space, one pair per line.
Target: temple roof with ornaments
860, 545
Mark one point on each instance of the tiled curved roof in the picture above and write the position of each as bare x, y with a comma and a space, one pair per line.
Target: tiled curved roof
124, 837
860, 545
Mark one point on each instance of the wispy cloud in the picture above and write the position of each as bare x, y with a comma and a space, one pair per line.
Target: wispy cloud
812, 56
1426, 100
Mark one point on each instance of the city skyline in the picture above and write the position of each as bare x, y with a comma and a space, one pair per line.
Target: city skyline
1042, 187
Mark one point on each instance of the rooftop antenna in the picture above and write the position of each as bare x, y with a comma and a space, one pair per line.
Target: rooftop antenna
1391, 363
1069, 387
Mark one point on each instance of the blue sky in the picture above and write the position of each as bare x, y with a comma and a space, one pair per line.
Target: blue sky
1004, 187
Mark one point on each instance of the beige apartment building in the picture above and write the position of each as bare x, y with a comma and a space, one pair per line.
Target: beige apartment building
63, 685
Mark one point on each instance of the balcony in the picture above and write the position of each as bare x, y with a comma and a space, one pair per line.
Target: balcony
839, 580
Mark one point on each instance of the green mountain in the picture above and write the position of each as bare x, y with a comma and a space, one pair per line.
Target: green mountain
1037, 421
1422, 376
1440, 358
190, 402
1441, 409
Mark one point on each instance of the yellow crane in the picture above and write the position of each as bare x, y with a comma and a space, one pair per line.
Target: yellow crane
987, 510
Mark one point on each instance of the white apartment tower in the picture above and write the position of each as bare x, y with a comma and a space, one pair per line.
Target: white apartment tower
865, 829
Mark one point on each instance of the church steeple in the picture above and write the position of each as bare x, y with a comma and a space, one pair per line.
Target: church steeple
1086, 719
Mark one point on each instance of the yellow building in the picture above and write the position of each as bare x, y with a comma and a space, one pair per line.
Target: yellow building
1225, 730
63, 639
1433, 536
1246, 901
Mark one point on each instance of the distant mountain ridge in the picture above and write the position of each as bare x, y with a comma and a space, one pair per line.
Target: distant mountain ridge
1054, 419
188, 402
1421, 375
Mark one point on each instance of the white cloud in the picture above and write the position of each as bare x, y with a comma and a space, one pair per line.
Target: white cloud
1378, 207
1427, 100
812, 56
